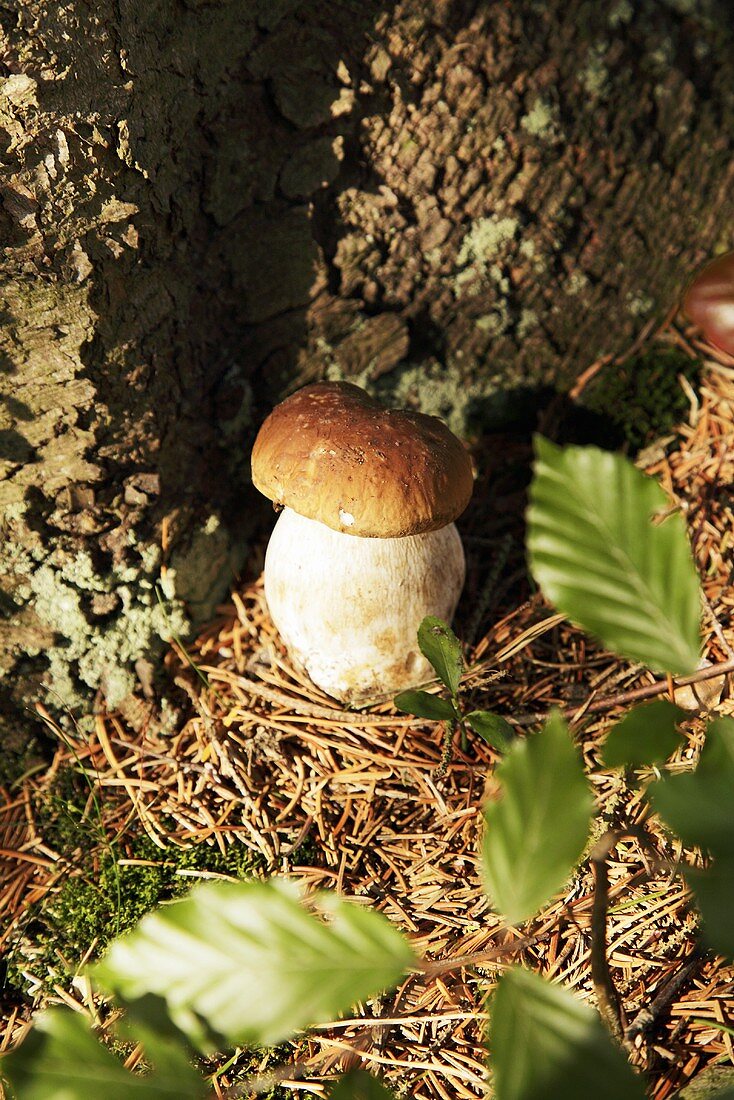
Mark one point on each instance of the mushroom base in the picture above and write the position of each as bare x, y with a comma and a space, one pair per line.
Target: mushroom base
348, 608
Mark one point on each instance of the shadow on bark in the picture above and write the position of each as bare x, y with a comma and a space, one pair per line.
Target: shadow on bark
153, 309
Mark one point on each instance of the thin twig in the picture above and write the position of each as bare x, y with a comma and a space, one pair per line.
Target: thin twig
716, 626
312, 710
646, 1018
651, 690
621, 698
480, 958
606, 993
447, 747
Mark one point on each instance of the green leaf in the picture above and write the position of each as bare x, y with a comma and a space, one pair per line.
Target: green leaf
713, 1083
539, 826
714, 892
598, 557
424, 705
646, 735
699, 806
546, 1044
62, 1059
165, 1046
248, 963
491, 728
441, 647
359, 1085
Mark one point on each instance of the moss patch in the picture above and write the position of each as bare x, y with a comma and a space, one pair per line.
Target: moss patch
642, 399
432, 389
104, 895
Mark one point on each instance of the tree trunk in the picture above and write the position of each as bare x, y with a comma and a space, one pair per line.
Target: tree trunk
210, 201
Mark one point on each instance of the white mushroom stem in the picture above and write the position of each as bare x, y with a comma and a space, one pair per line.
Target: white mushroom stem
348, 608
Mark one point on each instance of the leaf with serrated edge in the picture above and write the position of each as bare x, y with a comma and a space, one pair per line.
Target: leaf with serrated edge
699, 805
546, 1044
359, 1085
492, 728
538, 827
441, 647
62, 1059
248, 962
424, 705
646, 735
598, 557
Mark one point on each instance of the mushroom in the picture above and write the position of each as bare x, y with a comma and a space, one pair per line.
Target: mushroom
365, 546
709, 302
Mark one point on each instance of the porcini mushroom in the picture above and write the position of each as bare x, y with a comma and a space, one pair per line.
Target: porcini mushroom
365, 546
709, 302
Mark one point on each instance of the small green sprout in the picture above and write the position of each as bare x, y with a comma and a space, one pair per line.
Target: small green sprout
440, 646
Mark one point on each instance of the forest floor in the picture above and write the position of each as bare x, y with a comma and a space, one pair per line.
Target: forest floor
266, 775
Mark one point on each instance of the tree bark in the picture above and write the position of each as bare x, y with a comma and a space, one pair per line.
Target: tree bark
206, 203
538, 180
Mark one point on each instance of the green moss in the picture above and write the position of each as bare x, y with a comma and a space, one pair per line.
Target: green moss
642, 399
101, 897
307, 854
97, 907
258, 1062
104, 899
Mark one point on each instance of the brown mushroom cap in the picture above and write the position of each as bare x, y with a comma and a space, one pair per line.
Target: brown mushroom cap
333, 454
709, 302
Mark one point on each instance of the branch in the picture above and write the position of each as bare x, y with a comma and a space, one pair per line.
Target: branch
646, 1018
480, 958
649, 691
606, 994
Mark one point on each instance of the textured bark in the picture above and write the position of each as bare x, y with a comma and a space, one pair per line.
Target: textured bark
145, 231
538, 180
204, 200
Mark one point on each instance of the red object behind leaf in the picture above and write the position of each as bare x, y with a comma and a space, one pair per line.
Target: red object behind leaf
709, 302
